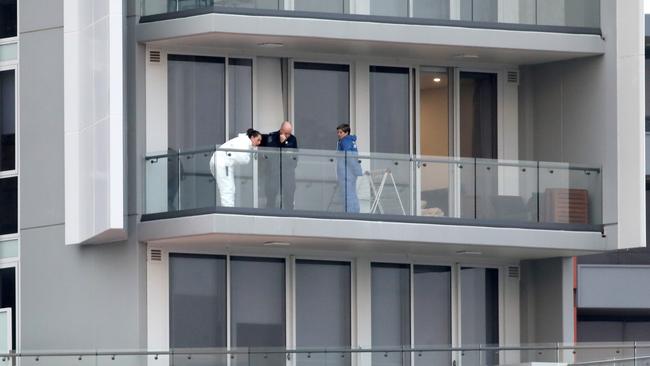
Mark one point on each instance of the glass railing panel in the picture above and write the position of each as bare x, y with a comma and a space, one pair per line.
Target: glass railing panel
57, 361
470, 356
129, 360
506, 191
196, 184
389, 178
430, 356
199, 357
161, 179
391, 356
261, 357
274, 191
466, 189
569, 194
570, 13
539, 353
316, 358
318, 185
338, 357
600, 353
436, 188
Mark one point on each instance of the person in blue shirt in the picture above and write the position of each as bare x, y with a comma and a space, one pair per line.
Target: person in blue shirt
348, 168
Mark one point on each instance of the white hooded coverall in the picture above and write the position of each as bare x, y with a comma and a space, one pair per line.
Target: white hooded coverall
222, 163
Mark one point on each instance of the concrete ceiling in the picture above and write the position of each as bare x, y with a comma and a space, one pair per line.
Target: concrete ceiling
418, 53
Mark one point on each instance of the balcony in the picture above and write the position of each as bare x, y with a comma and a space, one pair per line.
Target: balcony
568, 16
377, 187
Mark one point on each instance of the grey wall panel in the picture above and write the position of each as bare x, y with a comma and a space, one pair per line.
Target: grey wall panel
41, 128
81, 297
39, 14
541, 301
613, 287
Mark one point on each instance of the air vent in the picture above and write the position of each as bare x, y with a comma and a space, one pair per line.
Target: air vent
155, 255
513, 77
513, 272
154, 57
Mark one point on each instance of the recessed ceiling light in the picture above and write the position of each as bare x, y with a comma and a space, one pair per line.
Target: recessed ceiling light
467, 56
277, 244
436, 80
271, 45
469, 252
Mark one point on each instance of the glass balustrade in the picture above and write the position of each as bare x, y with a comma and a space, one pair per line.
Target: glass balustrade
626, 353
392, 185
568, 13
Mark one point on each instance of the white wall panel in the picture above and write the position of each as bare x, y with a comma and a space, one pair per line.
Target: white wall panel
94, 99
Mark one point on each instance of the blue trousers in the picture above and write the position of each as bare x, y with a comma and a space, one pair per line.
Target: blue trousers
348, 189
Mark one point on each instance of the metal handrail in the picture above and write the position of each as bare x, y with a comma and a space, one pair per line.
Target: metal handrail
262, 351
388, 157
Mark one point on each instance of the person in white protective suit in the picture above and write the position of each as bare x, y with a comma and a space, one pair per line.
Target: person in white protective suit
223, 161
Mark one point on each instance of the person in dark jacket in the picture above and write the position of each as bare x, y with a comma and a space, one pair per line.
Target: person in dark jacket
279, 169
348, 168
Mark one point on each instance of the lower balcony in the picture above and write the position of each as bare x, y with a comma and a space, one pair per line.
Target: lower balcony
377, 187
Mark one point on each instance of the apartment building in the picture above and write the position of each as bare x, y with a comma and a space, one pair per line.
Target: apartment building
496, 140
610, 287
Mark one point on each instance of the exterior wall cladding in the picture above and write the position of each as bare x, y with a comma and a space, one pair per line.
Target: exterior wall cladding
109, 91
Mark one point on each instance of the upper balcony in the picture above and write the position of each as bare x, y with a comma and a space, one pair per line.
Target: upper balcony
567, 16
381, 187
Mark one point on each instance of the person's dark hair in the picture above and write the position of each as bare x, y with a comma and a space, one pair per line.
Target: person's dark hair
344, 127
252, 133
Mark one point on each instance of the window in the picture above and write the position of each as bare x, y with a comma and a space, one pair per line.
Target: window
197, 291
322, 102
431, 9
398, 8
196, 102
432, 312
389, 110
479, 295
8, 205
478, 115
257, 306
240, 96
8, 18
391, 312
479, 10
323, 307
7, 120
8, 297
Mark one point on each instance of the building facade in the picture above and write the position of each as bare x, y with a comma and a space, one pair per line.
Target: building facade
496, 140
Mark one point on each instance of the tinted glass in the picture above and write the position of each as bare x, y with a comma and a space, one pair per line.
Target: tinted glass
196, 102
480, 311
197, 298
7, 120
432, 312
432, 9
240, 96
389, 110
478, 115
479, 10
391, 312
389, 7
8, 18
322, 304
8, 205
322, 102
257, 302
8, 296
